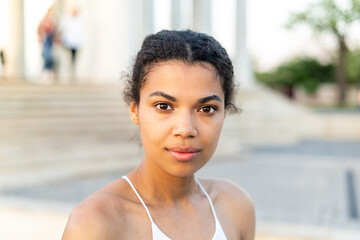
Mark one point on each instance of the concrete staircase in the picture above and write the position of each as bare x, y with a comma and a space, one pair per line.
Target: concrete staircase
271, 119
52, 132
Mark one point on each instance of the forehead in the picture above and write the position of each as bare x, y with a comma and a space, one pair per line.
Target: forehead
175, 76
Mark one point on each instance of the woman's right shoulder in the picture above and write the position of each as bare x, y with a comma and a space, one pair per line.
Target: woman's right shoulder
102, 215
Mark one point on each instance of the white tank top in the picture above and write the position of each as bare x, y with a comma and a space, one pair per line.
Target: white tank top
157, 234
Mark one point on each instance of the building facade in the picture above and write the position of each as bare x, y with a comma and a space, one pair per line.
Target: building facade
112, 33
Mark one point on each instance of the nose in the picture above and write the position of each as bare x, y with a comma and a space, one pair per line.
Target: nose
185, 125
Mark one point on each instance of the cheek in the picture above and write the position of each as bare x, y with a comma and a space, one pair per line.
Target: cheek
217, 132
152, 129
211, 131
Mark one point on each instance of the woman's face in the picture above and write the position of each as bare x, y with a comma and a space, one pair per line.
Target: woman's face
180, 116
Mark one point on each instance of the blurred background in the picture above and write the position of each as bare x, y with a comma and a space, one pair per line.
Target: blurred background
65, 131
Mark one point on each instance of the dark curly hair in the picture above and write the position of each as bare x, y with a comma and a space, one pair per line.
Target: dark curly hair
187, 46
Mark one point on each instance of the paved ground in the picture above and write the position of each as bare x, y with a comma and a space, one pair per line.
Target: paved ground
310, 190
341, 149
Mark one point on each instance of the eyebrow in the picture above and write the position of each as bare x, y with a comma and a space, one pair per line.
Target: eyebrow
209, 98
173, 99
164, 95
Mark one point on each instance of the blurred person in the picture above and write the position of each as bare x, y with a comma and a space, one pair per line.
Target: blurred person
2, 56
2, 63
47, 34
71, 28
181, 87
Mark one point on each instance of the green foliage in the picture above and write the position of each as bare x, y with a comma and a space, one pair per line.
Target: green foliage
326, 16
305, 72
353, 67
308, 73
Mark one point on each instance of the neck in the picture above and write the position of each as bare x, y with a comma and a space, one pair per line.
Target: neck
157, 186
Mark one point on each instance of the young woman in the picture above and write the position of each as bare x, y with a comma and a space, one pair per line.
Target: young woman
179, 92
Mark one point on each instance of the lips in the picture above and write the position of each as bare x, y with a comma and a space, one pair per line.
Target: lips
183, 154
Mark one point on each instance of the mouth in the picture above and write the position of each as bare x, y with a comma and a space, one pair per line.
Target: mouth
183, 154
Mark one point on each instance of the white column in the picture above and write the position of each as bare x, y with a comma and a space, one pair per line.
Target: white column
4, 19
176, 14
187, 14
148, 17
242, 64
141, 22
105, 51
15, 45
202, 16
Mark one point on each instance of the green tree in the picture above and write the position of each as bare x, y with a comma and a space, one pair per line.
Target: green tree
327, 17
353, 67
305, 72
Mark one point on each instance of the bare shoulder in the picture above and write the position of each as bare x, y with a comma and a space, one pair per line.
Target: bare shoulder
224, 190
234, 204
100, 216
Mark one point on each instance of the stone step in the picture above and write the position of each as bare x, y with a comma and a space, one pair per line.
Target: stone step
38, 97
65, 126
33, 116
41, 112
21, 141
64, 121
50, 132
60, 104
35, 89
13, 159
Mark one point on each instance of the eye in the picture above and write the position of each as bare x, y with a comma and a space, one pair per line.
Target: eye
163, 106
208, 109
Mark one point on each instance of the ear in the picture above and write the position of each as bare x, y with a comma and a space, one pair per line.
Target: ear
134, 113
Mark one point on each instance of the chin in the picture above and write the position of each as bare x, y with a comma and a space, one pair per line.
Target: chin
183, 171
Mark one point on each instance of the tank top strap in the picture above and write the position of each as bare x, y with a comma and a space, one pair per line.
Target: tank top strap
208, 197
140, 199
